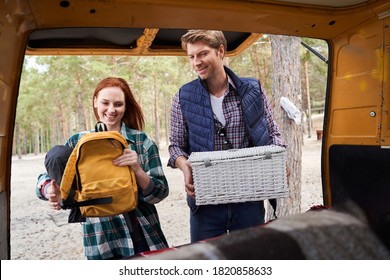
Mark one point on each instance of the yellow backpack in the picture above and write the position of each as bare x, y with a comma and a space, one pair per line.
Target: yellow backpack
103, 189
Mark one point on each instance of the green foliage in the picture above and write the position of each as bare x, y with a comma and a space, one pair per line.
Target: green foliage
255, 62
317, 70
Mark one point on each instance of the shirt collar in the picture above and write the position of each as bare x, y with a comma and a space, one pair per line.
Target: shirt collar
230, 81
230, 84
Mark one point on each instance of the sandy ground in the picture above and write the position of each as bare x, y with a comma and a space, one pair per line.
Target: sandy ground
38, 233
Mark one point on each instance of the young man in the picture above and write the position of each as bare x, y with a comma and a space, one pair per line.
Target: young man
217, 111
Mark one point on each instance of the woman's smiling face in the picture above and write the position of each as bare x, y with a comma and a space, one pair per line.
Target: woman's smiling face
110, 105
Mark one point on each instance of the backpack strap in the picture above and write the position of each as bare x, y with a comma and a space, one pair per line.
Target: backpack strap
69, 202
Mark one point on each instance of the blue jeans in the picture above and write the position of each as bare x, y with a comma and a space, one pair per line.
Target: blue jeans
207, 221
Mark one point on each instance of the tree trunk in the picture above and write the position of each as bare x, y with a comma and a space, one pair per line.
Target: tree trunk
25, 144
166, 118
82, 124
54, 136
156, 119
63, 127
18, 141
286, 82
257, 63
309, 121
36, 130
46, 145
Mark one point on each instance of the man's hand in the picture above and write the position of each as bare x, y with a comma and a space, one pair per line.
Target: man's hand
185, 166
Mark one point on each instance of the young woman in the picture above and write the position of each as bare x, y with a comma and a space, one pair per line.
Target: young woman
110, 237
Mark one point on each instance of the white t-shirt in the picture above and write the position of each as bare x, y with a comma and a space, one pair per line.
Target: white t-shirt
216, 104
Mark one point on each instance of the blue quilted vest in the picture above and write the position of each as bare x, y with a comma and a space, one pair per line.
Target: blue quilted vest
196, 108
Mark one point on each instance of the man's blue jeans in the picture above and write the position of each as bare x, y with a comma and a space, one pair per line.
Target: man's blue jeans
207, 221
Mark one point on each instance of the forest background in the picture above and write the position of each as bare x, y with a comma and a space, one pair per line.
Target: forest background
55, 95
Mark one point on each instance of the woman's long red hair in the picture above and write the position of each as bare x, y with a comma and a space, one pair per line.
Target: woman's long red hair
133, 117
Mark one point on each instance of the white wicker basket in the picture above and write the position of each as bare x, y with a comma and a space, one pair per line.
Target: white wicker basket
249, 174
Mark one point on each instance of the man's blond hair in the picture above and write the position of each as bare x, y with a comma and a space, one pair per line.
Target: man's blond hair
213, 38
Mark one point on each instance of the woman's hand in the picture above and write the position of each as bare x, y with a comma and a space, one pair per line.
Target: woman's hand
130, 158
53, 194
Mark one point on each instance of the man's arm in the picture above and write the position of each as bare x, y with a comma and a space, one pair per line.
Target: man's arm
178, 137
178, 143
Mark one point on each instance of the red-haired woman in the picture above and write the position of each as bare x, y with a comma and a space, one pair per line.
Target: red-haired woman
109, 237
